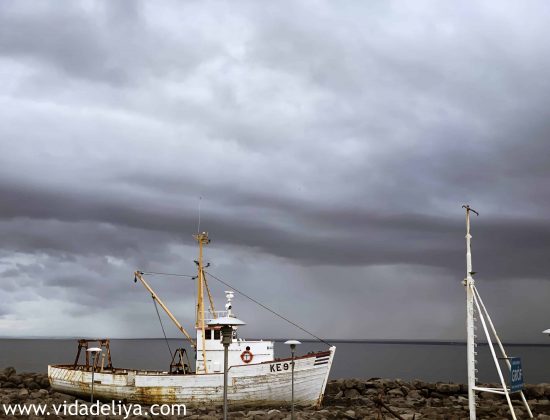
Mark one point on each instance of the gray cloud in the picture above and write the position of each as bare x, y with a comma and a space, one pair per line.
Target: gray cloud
333, 148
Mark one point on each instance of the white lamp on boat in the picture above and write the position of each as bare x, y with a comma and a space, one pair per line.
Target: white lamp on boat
94, 351
292, 344
226, 323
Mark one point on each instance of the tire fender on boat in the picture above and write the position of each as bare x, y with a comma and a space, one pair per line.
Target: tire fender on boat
247, 356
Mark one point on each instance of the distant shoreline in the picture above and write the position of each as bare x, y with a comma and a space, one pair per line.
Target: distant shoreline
307, 340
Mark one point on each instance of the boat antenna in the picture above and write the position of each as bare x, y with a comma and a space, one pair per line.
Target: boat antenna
199, 224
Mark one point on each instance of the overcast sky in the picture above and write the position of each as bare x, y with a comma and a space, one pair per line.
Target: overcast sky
332, 143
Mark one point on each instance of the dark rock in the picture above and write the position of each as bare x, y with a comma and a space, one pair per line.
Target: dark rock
352, 393
393, 393
388, 384
443, 388
350, 383
413, 393
371, 392
332, 388
489, 396
15, 379
9, 371
425, 392
360, 386
371, 384
33, 386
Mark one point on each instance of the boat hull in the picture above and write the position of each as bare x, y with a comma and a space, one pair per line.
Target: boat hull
261, 384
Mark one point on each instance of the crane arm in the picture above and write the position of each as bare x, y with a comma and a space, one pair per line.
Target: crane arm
138, 275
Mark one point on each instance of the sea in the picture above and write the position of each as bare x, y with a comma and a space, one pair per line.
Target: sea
407, 360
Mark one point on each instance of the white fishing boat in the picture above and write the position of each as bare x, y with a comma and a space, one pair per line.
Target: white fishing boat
255, 376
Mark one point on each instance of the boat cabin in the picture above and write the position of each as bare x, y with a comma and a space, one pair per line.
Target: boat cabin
240, 352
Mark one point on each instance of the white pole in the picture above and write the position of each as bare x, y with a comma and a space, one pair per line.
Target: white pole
292, 344
225, 357
292, 412
470, 327
93, 370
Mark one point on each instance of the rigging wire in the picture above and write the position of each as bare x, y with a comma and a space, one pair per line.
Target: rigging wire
168, 274
248, 297
268, 309
161, 325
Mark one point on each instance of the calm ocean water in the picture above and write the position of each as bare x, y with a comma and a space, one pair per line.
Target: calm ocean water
410, 360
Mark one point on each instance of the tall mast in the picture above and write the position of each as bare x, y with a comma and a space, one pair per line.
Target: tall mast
470, 327
475, 306
202, 239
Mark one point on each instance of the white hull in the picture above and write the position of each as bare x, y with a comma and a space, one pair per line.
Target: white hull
260, 384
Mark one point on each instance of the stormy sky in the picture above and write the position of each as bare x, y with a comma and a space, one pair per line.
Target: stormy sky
333, 145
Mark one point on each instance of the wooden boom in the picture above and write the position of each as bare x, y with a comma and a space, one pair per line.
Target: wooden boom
138, 275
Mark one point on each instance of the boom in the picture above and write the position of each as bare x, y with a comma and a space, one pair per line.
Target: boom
138, 275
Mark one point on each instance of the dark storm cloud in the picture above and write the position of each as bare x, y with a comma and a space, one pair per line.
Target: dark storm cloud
338, 143
100, 42
329, 236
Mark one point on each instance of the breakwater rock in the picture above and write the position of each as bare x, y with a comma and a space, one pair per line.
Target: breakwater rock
426, 400
344, 399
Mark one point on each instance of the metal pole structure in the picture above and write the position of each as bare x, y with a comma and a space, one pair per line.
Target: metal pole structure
292, 344
225, 357
202, 239
483, 309
226, 323
499, 370
94, 351
473, 303
93, 370
470, 327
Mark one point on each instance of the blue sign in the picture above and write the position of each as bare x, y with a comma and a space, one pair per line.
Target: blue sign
516, 374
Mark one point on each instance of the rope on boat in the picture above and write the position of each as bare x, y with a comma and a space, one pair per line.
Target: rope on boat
162, 326
243, 294
268, 309
169, 274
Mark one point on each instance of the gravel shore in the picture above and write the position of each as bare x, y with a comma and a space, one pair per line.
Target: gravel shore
344, 399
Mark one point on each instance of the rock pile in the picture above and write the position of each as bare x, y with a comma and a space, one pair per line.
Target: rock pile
344, 399
425, 400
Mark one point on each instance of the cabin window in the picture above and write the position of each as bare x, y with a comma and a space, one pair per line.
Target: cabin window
207, 334
216, 334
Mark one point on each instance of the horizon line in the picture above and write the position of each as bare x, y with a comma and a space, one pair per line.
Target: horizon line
307, 340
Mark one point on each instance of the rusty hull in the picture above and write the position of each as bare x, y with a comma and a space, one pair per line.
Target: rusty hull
260, 385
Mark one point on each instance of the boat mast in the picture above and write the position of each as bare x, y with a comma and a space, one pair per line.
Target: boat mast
202, 239
470, 327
